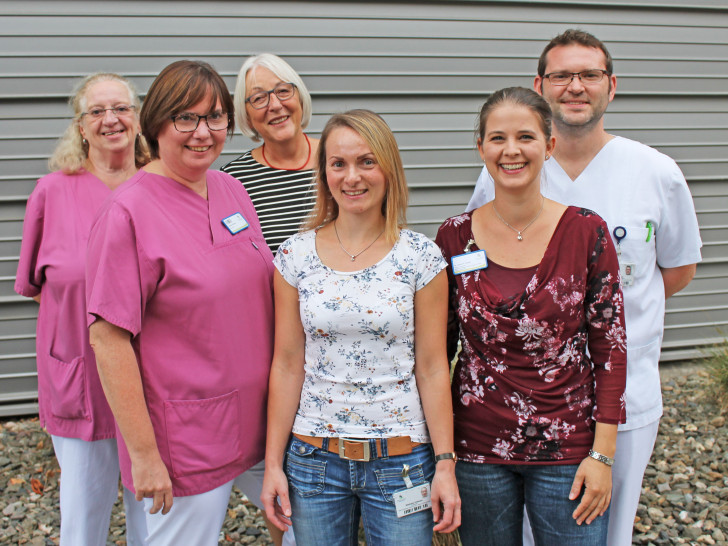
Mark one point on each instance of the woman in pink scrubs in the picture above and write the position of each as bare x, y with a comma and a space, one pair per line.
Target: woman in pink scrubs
180, 309
100, 149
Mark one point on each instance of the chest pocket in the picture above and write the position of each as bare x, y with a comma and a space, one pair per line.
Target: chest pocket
636, 254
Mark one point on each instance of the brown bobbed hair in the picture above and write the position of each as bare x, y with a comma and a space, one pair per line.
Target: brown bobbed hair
179, 86
378, 136
519, 96
579, 37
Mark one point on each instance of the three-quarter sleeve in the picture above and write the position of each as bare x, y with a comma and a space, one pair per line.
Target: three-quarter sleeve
606, 329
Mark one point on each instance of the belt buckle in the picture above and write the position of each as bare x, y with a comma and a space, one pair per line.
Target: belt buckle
367, 456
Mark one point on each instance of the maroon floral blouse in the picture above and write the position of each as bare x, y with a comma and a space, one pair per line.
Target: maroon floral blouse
536, 370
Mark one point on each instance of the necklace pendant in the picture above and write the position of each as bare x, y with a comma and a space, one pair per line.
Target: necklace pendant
520, 237
353, 258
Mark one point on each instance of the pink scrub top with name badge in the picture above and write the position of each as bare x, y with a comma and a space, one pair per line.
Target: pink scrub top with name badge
57, 222
198, 302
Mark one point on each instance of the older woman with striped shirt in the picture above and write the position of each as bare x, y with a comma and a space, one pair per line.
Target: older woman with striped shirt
272, 104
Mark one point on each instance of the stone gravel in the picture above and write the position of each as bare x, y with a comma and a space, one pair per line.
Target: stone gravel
684, 495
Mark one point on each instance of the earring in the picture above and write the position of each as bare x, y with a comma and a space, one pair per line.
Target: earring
547, 157
83, 140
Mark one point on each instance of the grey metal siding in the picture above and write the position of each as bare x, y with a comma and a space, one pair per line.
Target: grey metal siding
426, 67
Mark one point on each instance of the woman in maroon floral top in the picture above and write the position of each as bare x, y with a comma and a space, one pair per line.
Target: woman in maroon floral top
538, 387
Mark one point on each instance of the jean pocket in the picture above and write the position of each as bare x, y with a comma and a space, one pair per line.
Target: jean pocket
68, 397
202, 435
391, 480
305, 474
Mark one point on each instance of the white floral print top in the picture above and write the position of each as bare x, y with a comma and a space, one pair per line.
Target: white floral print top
359, 325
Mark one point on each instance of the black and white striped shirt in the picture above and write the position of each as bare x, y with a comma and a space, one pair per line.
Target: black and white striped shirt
282, 199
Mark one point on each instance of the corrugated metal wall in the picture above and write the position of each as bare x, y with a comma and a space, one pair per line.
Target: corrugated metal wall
426, 67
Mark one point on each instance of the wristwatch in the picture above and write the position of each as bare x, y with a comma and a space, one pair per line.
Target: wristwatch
601, 458
446, 456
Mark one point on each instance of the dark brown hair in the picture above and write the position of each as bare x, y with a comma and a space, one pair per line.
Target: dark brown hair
579, 37
180, 85
519, 96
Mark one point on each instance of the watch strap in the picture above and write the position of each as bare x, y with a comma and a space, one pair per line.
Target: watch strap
609, 461
446, 456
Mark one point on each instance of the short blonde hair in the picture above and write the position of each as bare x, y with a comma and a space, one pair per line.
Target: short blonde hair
378, 136
282, 70
71, 152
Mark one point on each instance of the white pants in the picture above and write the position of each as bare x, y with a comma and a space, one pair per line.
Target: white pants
197, 519
89, 488
634, 449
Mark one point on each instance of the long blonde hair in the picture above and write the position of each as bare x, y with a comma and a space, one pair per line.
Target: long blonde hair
71, 151
378, 136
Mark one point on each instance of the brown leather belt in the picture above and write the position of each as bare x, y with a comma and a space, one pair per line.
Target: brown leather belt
359, 449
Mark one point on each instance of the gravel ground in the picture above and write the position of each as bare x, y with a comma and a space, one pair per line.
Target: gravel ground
684, 495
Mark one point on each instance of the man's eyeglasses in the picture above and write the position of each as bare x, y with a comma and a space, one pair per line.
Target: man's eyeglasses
187, 122
587, 77
120, 110
283, 92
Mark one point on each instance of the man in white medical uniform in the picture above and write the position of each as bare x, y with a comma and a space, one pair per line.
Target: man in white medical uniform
643, 197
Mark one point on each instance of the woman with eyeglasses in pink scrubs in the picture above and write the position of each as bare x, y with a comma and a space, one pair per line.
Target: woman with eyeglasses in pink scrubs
181, 314
100, 149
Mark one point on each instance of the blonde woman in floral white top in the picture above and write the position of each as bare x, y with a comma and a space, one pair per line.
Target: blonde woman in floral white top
359, 414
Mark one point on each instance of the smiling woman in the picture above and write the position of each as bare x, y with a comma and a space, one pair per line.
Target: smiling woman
100, 149
272, 104
172, 260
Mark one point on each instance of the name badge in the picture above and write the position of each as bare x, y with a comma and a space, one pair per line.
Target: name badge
413, 499
627, 273
235, 223
470, 261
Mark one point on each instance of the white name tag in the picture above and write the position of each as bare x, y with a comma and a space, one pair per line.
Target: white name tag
470, 261
235, 223
627, 273
414, 499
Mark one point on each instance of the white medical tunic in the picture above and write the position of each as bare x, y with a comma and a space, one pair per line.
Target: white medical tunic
642, 190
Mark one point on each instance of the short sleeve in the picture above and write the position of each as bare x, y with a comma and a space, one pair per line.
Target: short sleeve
285, 259
430, 260
677, 239
29, 278
119, 279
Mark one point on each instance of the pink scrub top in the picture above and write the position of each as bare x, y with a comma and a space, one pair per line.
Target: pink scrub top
58, 219
197, 300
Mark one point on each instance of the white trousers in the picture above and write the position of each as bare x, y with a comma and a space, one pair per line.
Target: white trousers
89, 488
634, 449
198, 519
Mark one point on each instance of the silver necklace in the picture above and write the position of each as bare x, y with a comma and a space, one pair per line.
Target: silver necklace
518, 231
354, 256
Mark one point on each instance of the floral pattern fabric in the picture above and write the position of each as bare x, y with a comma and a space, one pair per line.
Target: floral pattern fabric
359, 326
536, 370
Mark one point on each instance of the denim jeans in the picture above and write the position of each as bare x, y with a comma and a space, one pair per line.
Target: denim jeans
493, 496
329, 495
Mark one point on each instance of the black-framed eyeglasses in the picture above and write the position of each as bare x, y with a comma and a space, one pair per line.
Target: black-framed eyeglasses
120, 110
587, 77
187, 122
261, 99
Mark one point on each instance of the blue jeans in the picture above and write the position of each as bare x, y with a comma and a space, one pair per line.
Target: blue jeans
493, 496
329, 495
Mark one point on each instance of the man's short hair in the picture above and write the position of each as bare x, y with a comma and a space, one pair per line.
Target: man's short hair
574, 36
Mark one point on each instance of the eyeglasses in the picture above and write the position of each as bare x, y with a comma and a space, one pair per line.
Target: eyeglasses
587, 77
283, 91
120, 110
187, 122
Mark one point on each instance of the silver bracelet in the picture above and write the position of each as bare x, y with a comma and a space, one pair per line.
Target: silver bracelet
609, 461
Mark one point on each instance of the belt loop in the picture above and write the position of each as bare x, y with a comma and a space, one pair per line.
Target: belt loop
385, 449
325, 443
